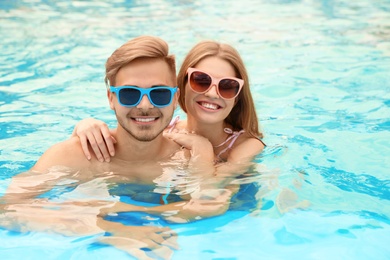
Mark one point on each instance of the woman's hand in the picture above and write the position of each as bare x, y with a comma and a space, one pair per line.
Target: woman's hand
202, 152
97, 134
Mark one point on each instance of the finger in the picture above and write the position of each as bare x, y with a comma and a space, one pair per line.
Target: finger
161, 237
181, 139
157, 238
171, 242
149, 243
163, 252
126, 245
84, 146
101, 144
167, 232
109, 140
172, 130
95, 147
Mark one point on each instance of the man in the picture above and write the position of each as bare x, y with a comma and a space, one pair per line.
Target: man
141, 80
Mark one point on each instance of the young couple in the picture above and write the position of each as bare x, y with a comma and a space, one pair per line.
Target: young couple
220, 137
213, 89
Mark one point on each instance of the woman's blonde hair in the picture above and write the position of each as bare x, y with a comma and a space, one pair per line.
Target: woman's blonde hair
138, 48
243, 114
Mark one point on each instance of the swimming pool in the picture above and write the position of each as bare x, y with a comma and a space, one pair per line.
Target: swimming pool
319, 71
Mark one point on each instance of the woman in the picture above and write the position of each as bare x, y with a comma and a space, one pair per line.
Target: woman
215, 94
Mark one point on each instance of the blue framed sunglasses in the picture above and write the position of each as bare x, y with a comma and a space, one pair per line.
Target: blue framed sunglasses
130, 96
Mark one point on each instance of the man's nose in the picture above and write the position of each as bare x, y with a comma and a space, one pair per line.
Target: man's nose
145, 103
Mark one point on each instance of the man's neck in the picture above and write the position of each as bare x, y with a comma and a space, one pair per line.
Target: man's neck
130, 149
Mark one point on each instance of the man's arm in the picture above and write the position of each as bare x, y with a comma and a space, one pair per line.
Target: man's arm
60, 161
202, 204
81, 218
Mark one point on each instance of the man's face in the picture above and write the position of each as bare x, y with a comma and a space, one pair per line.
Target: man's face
144, 121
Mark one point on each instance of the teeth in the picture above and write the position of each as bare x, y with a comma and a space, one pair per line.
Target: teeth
145, 120
209, 106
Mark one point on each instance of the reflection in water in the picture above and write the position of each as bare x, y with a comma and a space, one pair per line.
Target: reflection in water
84, 203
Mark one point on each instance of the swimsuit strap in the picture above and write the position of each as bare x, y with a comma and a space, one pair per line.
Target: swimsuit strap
173, 123
233, 135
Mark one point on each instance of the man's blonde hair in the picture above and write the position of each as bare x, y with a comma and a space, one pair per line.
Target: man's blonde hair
142, 47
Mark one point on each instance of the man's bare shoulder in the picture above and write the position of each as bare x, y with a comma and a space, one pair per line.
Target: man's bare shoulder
67, 153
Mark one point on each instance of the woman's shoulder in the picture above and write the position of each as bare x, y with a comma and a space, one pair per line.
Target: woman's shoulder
245, 149
248, 141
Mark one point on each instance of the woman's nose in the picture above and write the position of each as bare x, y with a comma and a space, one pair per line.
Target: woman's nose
212, 92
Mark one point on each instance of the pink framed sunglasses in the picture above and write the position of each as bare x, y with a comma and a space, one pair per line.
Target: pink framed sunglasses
227, 87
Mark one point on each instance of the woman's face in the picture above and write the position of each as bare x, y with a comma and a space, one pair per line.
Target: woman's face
209, 107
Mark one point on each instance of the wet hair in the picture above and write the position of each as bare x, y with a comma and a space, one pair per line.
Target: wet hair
142, 47
243, 114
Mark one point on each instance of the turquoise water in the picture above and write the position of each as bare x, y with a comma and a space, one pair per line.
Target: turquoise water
319, 72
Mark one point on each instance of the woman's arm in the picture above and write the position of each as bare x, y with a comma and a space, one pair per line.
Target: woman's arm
201, 152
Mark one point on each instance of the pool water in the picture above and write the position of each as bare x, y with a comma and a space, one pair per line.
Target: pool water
319, 73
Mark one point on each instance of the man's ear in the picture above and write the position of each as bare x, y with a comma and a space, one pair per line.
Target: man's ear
110, 97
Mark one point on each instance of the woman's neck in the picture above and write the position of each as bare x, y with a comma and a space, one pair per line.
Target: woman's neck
213, 132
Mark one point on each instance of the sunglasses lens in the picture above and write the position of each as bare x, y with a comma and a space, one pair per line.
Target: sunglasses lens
161, 97
228, 88
129, 96
200, 81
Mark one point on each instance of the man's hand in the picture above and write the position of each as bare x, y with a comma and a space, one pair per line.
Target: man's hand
159, 241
